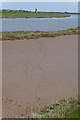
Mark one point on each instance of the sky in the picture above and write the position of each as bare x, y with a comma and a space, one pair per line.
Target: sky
42, 6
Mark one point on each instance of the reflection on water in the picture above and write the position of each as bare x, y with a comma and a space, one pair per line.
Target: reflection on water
39, 24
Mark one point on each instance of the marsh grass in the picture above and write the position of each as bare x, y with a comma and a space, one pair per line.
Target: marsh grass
21, 35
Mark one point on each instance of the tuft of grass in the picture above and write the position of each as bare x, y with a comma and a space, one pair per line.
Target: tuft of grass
21, 35
65, 108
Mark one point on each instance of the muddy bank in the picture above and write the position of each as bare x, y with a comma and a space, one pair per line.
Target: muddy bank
38, 72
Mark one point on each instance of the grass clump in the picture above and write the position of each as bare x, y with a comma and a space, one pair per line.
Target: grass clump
65, 108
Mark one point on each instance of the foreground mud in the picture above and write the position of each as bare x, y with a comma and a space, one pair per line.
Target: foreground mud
37, 73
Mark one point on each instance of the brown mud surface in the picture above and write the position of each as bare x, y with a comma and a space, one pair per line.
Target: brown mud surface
37, 73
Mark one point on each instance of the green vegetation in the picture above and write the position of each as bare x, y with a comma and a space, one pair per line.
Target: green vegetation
29, 14
17, 35
72, 13
65, 108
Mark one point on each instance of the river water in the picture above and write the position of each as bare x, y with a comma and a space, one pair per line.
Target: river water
39, 24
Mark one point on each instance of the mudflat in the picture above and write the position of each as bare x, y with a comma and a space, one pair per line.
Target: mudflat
37, 73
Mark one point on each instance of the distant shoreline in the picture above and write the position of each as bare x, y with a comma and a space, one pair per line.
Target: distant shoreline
29, 14
37, 17
7, 13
